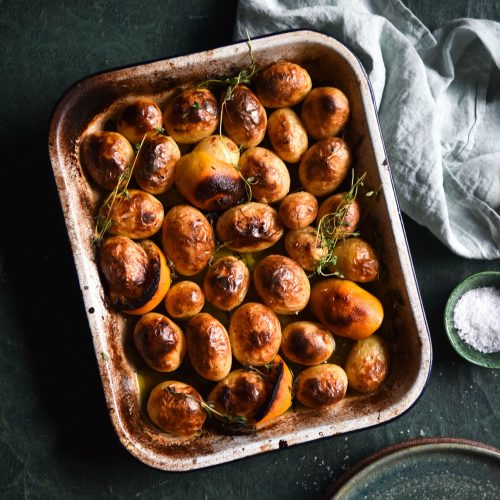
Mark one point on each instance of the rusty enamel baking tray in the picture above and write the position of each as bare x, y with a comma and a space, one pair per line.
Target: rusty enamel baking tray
329, 63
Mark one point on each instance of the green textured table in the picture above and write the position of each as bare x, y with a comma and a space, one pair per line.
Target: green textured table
56, 439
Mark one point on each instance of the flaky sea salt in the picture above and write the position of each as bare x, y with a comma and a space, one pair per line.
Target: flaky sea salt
477, 318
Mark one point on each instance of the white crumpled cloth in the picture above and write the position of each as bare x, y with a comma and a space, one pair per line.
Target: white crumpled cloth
438, 97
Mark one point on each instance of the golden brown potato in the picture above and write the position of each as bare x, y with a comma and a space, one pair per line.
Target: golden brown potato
226, 283
298, 210
188, 239
325, 166
138, 215
287, 135
250, 227
367, 364
321, 386
208, 347
208, 183
191, 116
356, 260
138, 119
305, 247
283, 84
176, 408
266, 173
154, 169
345, 215
220, 147
244, 118
307, 343
160, 342
282, 284
105, 156
255, 334
241, 394
324, 112
346, 309
184, 300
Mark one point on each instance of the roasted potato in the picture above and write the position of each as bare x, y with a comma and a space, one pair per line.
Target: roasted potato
140, 118
220, 147
208, 347
321, 386
105, 156
324, 112
298, 210
307, 343
184, 300
266, 173
283, 84
191, 116
346, 309
176, 408
226, 283
255, 334
250, 227
244, 118
367, 364
344, 218
287, 135
188, 239
305, 247
355, 260
281, 284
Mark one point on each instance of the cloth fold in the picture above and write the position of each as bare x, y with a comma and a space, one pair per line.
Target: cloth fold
438, 98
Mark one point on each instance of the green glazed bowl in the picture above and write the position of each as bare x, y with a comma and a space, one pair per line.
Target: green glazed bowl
489, 360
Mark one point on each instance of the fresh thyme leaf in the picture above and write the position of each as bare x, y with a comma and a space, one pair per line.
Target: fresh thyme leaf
170, 264
196, 105
160, 130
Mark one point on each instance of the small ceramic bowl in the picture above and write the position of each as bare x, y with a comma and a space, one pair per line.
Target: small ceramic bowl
489, 360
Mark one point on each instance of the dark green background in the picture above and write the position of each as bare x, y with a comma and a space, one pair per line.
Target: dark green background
56, 440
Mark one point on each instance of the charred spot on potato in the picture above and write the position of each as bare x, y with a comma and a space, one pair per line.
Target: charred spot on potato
195, 107
157, 339
324, 391
223, 191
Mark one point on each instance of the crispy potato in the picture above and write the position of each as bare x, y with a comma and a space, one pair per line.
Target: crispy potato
282, 284
325, 166
356, 260
283, 84
208, 347
287, 135
188, 239
305, 247
321, 386
140, 118
324, 112
255, 334
267, 174
227, 282
298, 210
220, 147
345, 217
184, 300
250, 227
367, 364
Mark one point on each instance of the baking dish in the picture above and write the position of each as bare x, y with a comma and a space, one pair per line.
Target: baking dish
329, 63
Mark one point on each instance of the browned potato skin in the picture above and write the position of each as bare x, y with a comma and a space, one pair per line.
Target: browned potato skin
140, 118
307, 343
220, 147
287, 135
244, 118
154, 169
242, 393
255, 334
324, 112
184, 300
325, 166
298, 210
305, 248
188, 239
356, 260
283, 84
138, 216
250, 227
208, 347
321, 386
160, 342
367, 364
351, 219
268, 175
282, 284
105, 156
178, 412
191, 116
226, 283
